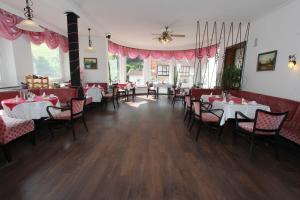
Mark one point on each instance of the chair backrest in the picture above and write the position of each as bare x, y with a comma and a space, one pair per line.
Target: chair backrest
268, 121
200, 107
77, 106
149, 84
2, 125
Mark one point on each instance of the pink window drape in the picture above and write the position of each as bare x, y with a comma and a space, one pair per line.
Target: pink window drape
156, 54
8, 30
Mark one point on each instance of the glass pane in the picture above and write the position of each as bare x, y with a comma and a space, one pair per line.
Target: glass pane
135, 71
114, 68
46, 62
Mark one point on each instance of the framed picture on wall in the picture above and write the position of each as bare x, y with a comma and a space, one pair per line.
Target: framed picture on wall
90, 63
266, 61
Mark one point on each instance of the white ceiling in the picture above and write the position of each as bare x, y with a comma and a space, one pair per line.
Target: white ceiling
132, 22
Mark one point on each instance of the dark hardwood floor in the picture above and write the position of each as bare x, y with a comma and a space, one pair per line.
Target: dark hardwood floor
144, 151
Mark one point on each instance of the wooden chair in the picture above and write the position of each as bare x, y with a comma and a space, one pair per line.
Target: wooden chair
188, 108
264, 125
207, 116
178, 94
112, 96
68, 116
11, 129
151, 90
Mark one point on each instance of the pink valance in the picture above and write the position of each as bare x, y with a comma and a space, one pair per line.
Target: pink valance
177, 54
8, 30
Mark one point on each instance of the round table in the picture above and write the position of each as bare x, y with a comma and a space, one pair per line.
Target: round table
29, 109
95, 93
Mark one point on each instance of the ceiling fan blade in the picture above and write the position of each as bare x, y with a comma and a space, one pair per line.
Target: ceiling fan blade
177, 35
156, 33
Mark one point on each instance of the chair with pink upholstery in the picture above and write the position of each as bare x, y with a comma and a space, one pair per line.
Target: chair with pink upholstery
264, 125
68, 116
11, 129
207, 116
112, 96
188, 107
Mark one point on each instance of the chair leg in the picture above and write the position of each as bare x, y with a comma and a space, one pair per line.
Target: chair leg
117, 99
252, 144
192, 124
276, 147
189, 118
84, 123
198, 132
186, 114
50, 130
73, 130
220, 132
33, 138
6, 152
174, 100
234, 136
113, 101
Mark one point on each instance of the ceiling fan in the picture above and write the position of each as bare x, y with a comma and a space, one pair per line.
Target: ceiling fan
166, 36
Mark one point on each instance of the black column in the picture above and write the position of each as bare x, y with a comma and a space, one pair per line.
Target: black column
72, 19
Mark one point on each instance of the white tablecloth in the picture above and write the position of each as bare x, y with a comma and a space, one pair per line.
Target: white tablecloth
30, 110
95, 93
230, 109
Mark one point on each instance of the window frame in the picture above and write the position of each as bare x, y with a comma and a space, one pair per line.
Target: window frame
165, 70
185, 71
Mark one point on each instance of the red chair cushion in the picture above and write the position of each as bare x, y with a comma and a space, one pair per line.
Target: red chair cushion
209, 117
65, 115
11, 128
249, 126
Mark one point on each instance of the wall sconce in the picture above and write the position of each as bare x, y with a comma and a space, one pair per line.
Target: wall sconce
292, 61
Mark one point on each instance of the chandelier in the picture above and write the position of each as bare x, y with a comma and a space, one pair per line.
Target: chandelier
90, 47
164, 39
28, 24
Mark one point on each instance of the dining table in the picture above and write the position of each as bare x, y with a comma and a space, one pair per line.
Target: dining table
95, 93
33, 108
232, 105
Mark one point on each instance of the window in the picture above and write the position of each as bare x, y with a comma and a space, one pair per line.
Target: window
134, 71
163, 70
46, 62
210, 73
114, 68
184, 71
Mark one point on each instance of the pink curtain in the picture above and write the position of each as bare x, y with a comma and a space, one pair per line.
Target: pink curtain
156, 54
8, 30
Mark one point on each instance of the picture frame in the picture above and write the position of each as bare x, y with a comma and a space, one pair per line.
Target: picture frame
90, 63
266, 61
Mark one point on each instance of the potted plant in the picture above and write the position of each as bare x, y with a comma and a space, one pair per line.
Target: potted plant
231, 77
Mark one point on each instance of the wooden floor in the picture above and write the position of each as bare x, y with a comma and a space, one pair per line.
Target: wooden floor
144, 151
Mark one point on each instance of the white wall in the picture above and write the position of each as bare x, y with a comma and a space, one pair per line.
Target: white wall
280, 31
101, 53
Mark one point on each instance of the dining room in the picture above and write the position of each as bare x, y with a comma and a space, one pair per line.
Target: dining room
149, 99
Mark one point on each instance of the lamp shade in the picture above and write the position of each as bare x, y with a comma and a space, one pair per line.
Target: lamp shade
29, 25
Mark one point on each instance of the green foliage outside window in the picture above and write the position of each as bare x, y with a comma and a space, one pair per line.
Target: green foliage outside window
46, 62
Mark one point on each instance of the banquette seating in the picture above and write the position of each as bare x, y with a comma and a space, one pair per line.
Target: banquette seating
291, 127
102, 85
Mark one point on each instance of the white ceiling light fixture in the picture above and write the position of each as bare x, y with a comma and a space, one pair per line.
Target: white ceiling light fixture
28, 24
90, 47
